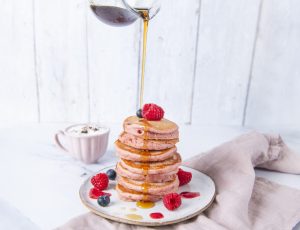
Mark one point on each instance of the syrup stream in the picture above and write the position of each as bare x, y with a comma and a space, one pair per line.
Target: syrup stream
145, 15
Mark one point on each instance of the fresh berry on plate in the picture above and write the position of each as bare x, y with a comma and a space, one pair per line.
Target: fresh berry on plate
172, 201
111, 174
103, 200
95, 193
139, 113
152, 112
100, 181
184, 177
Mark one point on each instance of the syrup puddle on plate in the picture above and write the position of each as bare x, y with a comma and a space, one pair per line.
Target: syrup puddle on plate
145, 205
134, 217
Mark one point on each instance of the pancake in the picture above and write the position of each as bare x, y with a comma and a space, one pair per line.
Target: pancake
166, 166
161, 177
140, 143
158, 189
132, 154
151, 135
149, 162
154, 136
131, 195
137, 126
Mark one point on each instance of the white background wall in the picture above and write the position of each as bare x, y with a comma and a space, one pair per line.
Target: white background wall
227, 62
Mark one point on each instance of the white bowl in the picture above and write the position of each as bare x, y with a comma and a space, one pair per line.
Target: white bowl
88, 148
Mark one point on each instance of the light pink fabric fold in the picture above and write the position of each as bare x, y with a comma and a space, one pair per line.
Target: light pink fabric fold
243, 201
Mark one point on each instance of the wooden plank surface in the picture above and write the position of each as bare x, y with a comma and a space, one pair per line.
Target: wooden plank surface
59, 63
113, 69
275, 88
226, 38
171, 58
62, 60
18, 94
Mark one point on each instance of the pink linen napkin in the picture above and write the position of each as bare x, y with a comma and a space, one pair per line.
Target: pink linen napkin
243, 201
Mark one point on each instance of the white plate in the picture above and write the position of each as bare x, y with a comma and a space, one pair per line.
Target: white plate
118, 209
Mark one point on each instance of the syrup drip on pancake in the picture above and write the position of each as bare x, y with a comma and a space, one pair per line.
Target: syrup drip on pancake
143, 152
145, 186
146, 166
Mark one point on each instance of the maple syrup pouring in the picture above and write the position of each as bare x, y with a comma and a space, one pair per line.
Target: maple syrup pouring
145, 16
114, 16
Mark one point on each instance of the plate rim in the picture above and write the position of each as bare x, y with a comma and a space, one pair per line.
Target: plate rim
138, 223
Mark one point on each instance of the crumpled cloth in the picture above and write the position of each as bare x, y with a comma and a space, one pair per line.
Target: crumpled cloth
243, 201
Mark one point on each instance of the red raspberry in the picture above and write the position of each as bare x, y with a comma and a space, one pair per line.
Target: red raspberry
172, 201
95, 193
100, 181
153, 112
184, 177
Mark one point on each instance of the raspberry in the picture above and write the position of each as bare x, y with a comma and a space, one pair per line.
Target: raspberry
172, 201
95, 193
152, 112
100, 181
184, 177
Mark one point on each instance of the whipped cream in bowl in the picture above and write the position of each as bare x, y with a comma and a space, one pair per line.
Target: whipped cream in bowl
85, 130
85, 142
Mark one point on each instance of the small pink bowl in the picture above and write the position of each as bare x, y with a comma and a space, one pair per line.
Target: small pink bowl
86, 148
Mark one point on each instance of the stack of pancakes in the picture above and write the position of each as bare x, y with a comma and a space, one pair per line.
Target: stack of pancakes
149, 161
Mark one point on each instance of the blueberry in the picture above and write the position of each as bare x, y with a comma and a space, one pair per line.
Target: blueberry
139, 113
111, 174
103, 200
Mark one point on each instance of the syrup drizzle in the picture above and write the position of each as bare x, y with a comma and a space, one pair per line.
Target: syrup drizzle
145, 166
145, 187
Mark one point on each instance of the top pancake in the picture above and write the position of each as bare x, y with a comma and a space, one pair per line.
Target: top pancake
163, 129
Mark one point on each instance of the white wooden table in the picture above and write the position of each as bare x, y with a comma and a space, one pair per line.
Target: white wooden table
39, 183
